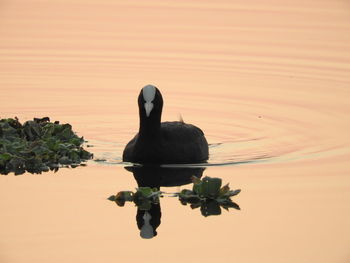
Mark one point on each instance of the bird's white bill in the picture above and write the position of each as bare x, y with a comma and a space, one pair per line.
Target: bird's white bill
147, 229
148, 108
149, 93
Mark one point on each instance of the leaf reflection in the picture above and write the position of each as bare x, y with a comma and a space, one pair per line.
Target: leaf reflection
206, 194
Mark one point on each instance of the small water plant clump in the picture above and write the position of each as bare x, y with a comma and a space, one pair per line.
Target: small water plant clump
38, 145
143, 198
208, 194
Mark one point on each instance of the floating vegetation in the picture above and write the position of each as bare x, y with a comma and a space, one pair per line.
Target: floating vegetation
208, 194
143, 198
100, 160
38, 145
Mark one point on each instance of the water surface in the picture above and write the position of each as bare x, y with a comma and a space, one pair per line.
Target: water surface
268, 82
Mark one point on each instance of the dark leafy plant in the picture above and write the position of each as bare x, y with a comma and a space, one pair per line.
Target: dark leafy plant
38, 145
209, 196
206, 194
143, 198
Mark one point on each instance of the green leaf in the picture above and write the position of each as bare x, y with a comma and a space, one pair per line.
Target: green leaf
197, 185
76, 141
145, 192
64, 160
229, 204
209, 196
196, 180
32, 130
188, 196
210, 208
85, 155
125, 195
5, 157
186, 193
211, 187
233, 192
224, 190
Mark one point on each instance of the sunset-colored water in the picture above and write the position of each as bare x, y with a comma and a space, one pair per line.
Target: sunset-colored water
268, 83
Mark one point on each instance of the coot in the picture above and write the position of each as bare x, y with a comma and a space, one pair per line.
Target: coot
163, 143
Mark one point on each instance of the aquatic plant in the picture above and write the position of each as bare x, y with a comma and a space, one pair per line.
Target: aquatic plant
208, 194
38, 145
143, 198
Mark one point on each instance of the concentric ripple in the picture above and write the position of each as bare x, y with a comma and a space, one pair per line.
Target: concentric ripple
246, 129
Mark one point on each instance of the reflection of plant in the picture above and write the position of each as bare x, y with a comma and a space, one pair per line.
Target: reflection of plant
38, 145
206, 194
143, 198
209, 196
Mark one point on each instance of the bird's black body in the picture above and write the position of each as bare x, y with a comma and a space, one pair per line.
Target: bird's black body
163, 143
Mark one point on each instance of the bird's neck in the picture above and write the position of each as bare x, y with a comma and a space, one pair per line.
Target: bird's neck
150, 126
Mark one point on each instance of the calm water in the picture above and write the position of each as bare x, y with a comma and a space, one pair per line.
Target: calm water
268, 82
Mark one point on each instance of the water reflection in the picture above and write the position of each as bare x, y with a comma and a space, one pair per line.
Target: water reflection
149, 180
209, 207
155, 177
148, 221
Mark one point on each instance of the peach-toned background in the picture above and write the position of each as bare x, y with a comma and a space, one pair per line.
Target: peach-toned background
263, 79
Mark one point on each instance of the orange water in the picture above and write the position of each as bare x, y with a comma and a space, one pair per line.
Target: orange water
267, 81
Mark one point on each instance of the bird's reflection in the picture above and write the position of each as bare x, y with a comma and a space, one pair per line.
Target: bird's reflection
207, 194
157, 176
148, 220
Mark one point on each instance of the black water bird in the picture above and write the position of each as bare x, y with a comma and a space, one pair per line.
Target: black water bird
155, 177
163, 142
